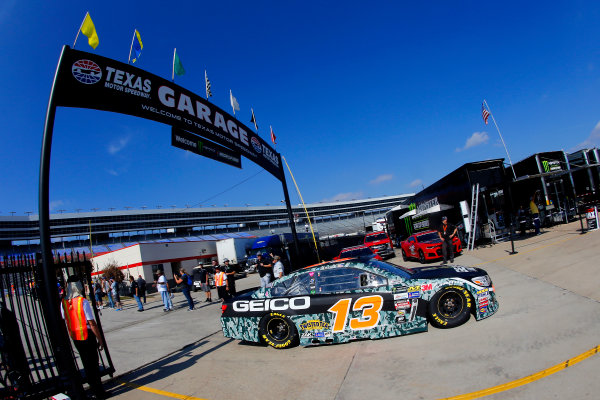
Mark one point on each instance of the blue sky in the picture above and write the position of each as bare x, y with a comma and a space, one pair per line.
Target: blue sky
366, 98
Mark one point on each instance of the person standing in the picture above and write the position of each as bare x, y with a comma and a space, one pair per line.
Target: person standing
535, 213
277, 268
447, 232
77, 313
221, 283
98, 294
230, 272
185, 282
163, 288
108, 291
203, 275
114, 287
142, 287
135, 293
264, 270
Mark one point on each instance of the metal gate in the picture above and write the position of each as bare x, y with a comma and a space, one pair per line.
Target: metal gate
28, 366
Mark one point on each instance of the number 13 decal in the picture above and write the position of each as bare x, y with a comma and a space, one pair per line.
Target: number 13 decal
370, 307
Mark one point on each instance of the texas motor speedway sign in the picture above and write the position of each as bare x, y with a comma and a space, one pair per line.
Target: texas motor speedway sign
87, 80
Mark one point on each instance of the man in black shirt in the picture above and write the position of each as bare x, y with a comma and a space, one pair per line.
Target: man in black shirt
203, 275
264, 270
447, 232
230, 272
142, 287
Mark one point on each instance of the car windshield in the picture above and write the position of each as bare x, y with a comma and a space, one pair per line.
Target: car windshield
376, 237
428, 237
392, 268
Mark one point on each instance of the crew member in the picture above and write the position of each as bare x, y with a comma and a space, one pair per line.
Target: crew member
77, 312
221, 283
447, 232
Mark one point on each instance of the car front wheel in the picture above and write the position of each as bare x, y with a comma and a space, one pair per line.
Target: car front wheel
421, 257
278, 331
404, 257
450, 307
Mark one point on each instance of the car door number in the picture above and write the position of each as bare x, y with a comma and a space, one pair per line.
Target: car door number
370, 307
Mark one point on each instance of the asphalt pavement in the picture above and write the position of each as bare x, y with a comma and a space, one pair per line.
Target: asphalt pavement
549, 294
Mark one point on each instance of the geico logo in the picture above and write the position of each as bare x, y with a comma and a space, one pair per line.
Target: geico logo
295, 303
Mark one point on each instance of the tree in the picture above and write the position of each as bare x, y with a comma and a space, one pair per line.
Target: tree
111, 270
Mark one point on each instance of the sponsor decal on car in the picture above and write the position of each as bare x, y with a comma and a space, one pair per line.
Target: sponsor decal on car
400, 296
277, 304
402, 304
314, 324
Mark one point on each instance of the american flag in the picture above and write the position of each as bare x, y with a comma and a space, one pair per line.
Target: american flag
484, 113
208, 92
273, 138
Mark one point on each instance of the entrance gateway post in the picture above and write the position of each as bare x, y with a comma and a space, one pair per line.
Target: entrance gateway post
59, 339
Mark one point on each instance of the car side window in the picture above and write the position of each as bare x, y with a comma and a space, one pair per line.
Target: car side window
337, 280
298, 285
411, 239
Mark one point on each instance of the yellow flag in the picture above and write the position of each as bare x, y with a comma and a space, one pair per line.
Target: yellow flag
89, 30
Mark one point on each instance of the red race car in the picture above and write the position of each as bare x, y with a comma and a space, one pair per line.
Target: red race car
426, 246
357, 251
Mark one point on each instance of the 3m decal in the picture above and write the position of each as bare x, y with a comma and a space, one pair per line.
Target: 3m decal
370, 307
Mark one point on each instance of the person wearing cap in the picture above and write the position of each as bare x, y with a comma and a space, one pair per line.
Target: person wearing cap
221, 283
82, 327
277, 268
163, 288
230, 272
264, 270
446, 232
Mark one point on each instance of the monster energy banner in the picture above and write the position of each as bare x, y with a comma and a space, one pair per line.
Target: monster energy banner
193, 143
87, 80
551, 166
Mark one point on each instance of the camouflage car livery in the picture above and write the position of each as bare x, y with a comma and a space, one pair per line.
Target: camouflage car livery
351, 299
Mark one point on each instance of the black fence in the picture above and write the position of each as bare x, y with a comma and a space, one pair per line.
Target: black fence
28, 364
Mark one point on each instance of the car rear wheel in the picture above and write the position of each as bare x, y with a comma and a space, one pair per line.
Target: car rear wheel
404, 257
450, 307
421, 257
278, 331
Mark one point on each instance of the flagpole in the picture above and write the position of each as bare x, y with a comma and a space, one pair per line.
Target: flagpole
501, 138
173, 72
80, 26
131, 47
303, 206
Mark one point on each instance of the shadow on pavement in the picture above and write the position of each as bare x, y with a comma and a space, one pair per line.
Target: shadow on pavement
162, 368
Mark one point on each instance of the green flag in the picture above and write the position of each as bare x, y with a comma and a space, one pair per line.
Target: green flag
177, 66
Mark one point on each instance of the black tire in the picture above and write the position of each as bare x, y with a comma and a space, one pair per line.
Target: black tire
421, 257
278, 331
404, 257
450, 307
195, 289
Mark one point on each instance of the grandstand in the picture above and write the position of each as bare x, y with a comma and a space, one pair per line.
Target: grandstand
111, 230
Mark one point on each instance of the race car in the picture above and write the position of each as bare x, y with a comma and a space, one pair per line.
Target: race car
359, 298
426, 246
357, 251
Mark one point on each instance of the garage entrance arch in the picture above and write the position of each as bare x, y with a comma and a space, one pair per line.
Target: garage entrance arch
86, 80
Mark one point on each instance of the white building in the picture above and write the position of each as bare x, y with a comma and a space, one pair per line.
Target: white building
146, 258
